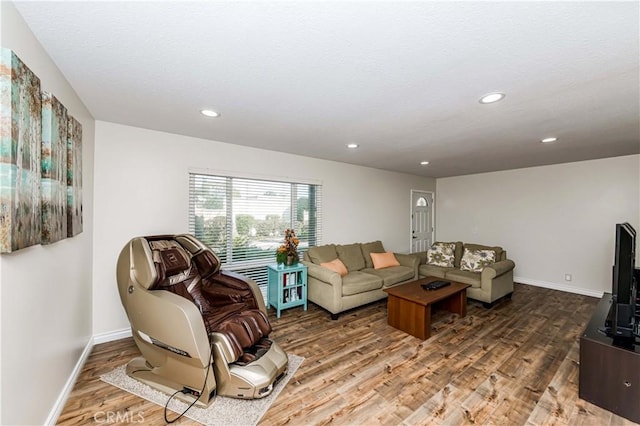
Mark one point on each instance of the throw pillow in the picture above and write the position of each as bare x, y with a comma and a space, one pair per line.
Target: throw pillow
336, 266
384, 260
476, 260
497, 249
441, 255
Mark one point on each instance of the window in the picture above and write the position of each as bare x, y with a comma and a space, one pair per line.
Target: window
243, 220
422, 202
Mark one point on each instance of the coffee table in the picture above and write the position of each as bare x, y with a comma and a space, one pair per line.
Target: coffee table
409, 305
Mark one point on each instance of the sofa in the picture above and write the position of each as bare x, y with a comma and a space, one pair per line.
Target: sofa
362, 278
485, 268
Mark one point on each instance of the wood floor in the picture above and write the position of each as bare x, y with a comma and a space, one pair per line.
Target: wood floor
514, 364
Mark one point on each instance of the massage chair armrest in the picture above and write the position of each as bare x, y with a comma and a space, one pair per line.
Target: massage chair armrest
165, 316
323, 274
497, 269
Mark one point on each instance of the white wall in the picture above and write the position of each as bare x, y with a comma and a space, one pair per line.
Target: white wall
142, 188
45, 290
552, 220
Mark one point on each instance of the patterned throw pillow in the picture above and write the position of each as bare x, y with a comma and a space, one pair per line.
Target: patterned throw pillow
476, 260
441, 254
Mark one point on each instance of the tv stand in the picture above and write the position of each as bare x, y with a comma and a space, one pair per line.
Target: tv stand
609, 368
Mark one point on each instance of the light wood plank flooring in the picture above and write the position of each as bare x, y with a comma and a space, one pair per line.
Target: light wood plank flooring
514, 364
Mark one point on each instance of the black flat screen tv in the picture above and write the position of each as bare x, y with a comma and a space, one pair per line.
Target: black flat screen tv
621, 322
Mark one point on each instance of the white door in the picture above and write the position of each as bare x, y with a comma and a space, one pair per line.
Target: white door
421, 220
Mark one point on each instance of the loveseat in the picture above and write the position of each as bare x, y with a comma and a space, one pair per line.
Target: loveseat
367, 269
485, 268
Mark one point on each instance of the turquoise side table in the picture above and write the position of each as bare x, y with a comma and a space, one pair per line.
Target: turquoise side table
287, 286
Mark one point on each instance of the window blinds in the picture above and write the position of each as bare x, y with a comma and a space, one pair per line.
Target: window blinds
243, 220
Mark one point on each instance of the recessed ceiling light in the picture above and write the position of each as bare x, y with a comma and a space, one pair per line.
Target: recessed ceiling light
491, 98
424, 163
549, 140
210, 113
352, 145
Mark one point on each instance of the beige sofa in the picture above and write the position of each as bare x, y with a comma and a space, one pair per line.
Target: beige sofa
494, 282
363, 284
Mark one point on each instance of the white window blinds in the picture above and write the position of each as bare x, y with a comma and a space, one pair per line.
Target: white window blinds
243, 220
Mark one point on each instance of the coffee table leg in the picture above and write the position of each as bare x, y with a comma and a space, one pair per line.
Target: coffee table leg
412, 318
426, 331
463, 303
457, 303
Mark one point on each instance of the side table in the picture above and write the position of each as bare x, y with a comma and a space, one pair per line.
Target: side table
287, 286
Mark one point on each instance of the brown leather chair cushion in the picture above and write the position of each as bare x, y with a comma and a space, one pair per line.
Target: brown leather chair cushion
170, 263
206, 263
225, 300
245, 329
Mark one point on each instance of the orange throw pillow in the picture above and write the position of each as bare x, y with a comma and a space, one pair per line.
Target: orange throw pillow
384, 260
336, 265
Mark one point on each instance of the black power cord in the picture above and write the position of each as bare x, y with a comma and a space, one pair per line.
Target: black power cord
184, 390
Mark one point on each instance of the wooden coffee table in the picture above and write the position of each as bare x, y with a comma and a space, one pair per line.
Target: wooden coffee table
409, 305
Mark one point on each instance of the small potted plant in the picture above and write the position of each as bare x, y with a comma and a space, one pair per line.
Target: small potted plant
288, 250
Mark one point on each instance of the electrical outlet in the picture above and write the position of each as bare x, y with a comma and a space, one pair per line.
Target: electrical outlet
567, 277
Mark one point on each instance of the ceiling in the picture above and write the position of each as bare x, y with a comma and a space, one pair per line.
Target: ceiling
402, 79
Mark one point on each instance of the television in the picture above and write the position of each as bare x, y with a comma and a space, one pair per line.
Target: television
621, 322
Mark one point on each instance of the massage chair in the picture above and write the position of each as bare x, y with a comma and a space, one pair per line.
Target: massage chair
200, 330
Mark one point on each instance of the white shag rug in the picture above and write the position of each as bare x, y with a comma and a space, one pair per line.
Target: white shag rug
223, 411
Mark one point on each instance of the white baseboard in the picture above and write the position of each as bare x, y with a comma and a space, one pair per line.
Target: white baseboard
71, 381
68, 386
110, 336
561, 287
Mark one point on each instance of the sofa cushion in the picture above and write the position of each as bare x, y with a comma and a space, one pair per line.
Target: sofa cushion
441, 255
321, 254
432, 271
336, 265
351, 256
384, 260
499, 251
392, 275
476, 260
359, 282
465, 277
367, 249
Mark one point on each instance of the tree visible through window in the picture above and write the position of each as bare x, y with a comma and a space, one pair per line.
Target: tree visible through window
243, 220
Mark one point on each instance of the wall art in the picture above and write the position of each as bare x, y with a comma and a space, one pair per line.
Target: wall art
54, 169
20, 151
74, 177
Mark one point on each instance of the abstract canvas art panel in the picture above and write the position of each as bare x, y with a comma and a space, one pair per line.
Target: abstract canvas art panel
20, 150
54, 169
74, 177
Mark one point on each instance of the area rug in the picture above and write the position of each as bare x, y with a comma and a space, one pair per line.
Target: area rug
222, 411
